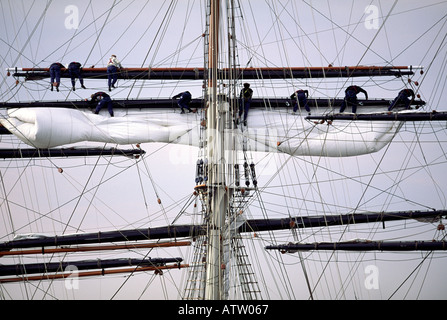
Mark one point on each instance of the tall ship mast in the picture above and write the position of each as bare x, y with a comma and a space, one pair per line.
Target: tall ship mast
216, 195
273, 199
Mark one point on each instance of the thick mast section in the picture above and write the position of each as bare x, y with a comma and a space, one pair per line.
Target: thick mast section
215, 215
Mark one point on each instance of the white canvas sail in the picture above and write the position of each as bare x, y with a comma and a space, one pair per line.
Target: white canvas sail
48, 128
267, 131
94, 197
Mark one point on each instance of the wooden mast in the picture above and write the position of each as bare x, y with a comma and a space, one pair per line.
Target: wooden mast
216, 188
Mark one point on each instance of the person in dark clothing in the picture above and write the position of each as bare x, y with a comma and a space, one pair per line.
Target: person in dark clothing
55, 75
104, 100
403, 98
185, 99
351, 98
113, 66
74, 69
245, 101
300, 97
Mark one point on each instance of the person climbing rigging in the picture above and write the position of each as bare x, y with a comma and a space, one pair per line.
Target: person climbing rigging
351, 98
55, 75
75, 71
103, 99
299, 98
185, 99
112, 71
245, 101
403, 97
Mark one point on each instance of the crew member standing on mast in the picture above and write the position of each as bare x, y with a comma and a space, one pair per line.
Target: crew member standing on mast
351, 98
55, 75
112, 71
245, 101
74, 69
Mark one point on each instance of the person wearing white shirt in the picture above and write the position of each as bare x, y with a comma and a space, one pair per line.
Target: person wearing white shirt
112, 71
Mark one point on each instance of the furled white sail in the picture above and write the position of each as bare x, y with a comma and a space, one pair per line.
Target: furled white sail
267, 131
50, 127
342, 139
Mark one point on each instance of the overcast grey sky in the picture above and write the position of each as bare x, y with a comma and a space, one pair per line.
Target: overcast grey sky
123, 193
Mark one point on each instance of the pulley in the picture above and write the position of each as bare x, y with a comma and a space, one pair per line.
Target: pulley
236, 175
253, 174
247, 174
199, 171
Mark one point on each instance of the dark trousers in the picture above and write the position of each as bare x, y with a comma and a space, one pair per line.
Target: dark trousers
244, 107
75, 73
112, 75
184, 103
303, 103
55, 74
105, 102
350, 100
400, 99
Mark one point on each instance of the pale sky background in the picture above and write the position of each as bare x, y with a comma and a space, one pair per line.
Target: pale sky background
122, 193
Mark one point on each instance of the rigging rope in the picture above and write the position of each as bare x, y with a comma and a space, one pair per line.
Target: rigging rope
286, 177
109, 11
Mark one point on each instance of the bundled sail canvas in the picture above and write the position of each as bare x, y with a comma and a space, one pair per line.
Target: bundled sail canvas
114, 199
48, 127
267, 131
343, 139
